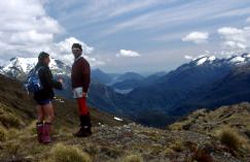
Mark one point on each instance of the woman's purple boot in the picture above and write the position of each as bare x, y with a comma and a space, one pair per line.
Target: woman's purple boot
46, 133
39, 129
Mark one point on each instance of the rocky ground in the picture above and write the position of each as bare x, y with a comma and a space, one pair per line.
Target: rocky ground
115, 143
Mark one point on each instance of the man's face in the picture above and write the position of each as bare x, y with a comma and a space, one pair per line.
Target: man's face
76, 51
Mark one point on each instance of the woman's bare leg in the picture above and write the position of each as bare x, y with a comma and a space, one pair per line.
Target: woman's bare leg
39, 124
49, 112
40, 113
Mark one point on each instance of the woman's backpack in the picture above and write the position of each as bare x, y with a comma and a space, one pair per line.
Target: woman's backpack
33, 83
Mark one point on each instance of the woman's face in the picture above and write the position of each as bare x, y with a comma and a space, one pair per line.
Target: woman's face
47, 60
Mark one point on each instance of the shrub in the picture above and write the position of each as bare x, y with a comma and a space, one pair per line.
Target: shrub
231, 138
202, 155
62, 153
177, 146
176, 126
133, 158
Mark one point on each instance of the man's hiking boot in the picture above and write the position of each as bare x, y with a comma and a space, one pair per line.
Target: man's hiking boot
46, 133
88, 124
39, 130
85, 127
83, 132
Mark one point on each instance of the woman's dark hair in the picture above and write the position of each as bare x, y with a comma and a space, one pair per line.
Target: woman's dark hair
42, 56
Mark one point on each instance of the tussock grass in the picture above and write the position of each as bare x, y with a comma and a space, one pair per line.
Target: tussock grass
176, 126
169, 151
31, 128
177, 145
133, 158
12, 148
63, 153
3, 134
13, 133
7, 118
201, 155
231, 138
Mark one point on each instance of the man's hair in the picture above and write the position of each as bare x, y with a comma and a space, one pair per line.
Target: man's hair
42, 56
77, 45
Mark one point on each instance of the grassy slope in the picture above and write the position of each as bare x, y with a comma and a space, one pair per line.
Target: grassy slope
187, 140
22, 106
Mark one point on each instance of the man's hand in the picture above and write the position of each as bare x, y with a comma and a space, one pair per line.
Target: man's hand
84, 94
60, 80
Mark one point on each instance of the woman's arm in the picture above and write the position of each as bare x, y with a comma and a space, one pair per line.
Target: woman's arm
47, 80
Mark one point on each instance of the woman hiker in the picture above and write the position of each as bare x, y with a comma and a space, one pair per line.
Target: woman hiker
43, 98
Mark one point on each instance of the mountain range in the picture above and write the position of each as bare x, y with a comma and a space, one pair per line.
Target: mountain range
203, 136
163, 97
204, 82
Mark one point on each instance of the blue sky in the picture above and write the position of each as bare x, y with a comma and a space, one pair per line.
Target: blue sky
145, 35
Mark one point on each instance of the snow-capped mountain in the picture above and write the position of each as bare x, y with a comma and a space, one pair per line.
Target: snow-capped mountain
206, 81
100, 94
233, 60
19, 67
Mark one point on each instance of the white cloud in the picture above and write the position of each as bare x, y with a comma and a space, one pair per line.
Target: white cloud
196, 37
180, 14
234, 44
127, 53
25, 26
31, 36
235, 38
26, 29
99, 11
188, 57
229, 31
62, 50
64, 47
233, 12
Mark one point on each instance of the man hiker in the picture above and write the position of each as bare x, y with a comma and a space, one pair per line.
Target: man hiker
80, 78
43, 95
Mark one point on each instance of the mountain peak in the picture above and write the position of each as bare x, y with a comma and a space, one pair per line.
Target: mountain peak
18, 65
205, 59
13, 58
211, 59
200, 60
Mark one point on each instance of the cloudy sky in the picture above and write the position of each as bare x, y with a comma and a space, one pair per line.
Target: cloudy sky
125, 35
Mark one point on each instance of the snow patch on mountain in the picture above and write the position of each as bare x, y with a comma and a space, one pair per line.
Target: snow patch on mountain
23, 64
18, 65
202, 59
233, 59
237, 59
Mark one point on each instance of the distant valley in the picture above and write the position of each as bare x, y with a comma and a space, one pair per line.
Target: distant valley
162, 97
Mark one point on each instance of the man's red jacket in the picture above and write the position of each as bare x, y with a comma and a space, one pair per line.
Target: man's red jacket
80, 74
